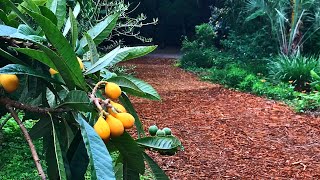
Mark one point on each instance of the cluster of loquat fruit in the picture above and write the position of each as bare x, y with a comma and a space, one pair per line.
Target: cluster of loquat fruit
117, 119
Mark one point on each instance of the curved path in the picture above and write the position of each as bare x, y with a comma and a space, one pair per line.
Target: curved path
227, 134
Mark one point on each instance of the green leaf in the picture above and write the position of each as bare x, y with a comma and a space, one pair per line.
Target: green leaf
58, 153
18, 12
21, 69
7, 30
41, 128
37, 55
136, 87
131, 152
314, 75
256, 14
68, 67
58, 7
76, 12
100, 159
118, 55
26, 30
160, 143
49, 14
101, 30
11, 58
77, 100
157, 172
94, 56
74, 29
128, 172
31, 5
129, 107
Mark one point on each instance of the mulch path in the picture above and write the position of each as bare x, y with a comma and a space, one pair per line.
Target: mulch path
226, 134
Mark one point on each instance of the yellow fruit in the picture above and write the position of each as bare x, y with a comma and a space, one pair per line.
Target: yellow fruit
80, 63
126, 119
102, 128
53, 72
112, 90
9, 82
116, 127
117, 106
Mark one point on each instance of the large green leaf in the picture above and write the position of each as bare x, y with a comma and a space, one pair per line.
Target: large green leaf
136, 87
37, 55
118, 55
49, 14
67, 26
58, 7
128, 172
68, 67
77, 99
129, 107
41, 128
160, 143
100, 31
58, 153
130, 151
100, 159
21, 69
7, 30
18, 12
157, 172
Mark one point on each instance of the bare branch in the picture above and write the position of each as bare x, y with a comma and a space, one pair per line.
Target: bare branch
29, 140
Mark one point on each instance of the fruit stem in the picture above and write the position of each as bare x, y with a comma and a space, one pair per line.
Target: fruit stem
99, 103
29, 140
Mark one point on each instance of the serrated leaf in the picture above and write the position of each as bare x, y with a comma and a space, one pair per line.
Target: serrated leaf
101, 30
94, 56
129, 107
76, 12
157, 172
119, 54
78, 100
59, 8
68, 67
21, 69
130, 152
37, 55
161, 143
100, 159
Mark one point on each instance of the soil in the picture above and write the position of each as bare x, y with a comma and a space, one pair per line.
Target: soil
226, 134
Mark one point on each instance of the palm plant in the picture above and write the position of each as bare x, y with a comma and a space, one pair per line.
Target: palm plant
292, 22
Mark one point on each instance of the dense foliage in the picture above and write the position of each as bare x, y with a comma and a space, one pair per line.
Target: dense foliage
51, 72
261, 46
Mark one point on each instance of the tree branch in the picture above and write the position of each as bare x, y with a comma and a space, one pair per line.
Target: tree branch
28, 139
18, 105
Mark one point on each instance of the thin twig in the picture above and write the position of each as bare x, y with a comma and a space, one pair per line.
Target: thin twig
4, 122
30, 108
29, 140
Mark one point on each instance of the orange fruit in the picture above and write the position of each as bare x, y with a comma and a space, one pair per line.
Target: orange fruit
53, 72
126, 119
117, 106
102, 128
116, 127
9, 82
112, 90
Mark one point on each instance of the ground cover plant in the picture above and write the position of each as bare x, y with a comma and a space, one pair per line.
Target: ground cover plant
52, 72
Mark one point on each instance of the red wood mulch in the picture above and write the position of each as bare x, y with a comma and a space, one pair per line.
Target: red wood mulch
227, 134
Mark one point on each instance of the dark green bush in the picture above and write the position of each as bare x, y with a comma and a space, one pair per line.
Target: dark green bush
197, 58
281, 91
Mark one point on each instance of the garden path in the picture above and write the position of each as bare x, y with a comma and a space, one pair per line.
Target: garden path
226, 134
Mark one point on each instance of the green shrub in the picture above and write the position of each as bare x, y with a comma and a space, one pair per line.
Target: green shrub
248, 82
296, 69
197, 58
217, 75
235, 75
281, 91
205, 35
307, 102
